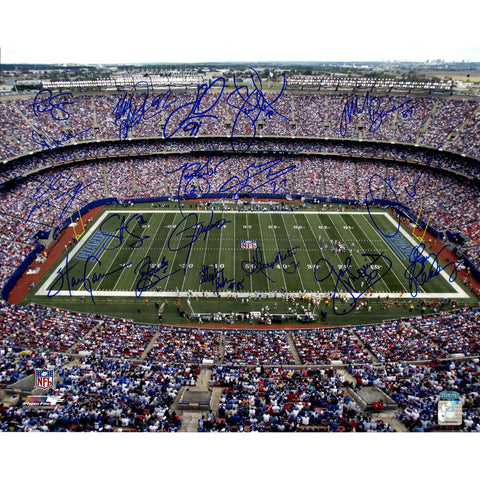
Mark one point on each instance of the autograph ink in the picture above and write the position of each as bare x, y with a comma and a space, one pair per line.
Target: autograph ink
49, 191
251, 104
258, 265
216, 277
416, 272
46, 102
125, 227
65, 280
51, 143
371, 106
129, 113
420, 271
189, 116
148, 272
237, 184
347, 279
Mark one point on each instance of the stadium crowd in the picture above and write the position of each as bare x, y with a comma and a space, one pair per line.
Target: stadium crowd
267, 348
132, 384
286, 400
434, 121
57, 160
187, 346
316, 346
397, 341
416, 388
41, 201
99, 394
27, 126
120, 339
40, 329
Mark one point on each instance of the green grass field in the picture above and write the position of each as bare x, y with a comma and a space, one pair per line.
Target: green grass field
131, 255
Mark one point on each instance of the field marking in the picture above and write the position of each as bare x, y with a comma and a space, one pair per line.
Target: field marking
278, 249
203, 263
333, 252
133, 252
114, 259
249, 252
320, 249
259, 212
176, 254
234, 249
354, 257
304, 244
207, 294
388, 246
426, 255
263, 243
94, 228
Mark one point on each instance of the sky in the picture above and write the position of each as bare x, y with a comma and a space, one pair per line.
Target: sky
150, 31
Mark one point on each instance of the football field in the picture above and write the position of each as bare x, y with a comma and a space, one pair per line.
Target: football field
234, 253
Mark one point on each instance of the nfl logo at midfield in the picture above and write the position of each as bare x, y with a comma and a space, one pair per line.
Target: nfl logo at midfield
248, 244
44, 378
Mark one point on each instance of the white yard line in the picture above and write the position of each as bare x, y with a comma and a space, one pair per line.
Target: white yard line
134, 251
320, 249
185, 264
290, 246
281, 263
127, 293
263, 244
384, 242
305, 245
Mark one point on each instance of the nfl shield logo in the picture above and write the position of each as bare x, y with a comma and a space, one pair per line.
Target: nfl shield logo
248, 244
44, 378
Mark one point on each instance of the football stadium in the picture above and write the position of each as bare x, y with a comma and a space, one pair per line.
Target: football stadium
193, 253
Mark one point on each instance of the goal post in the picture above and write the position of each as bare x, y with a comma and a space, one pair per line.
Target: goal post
78, 232
417, 226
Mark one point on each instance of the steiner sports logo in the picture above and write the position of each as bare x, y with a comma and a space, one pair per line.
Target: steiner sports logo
248, 244
44, 378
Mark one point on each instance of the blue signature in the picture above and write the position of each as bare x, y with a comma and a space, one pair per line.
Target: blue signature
46, 102
370, 199
417, 273
55, 185
236, 183
251, 104
195, 177
348, 280
191, 230
417, 181
67, 281
411, 191
129, 114
371, 105
117, 232
188, 117
258, 265
51, 143
217, 278
149, 274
